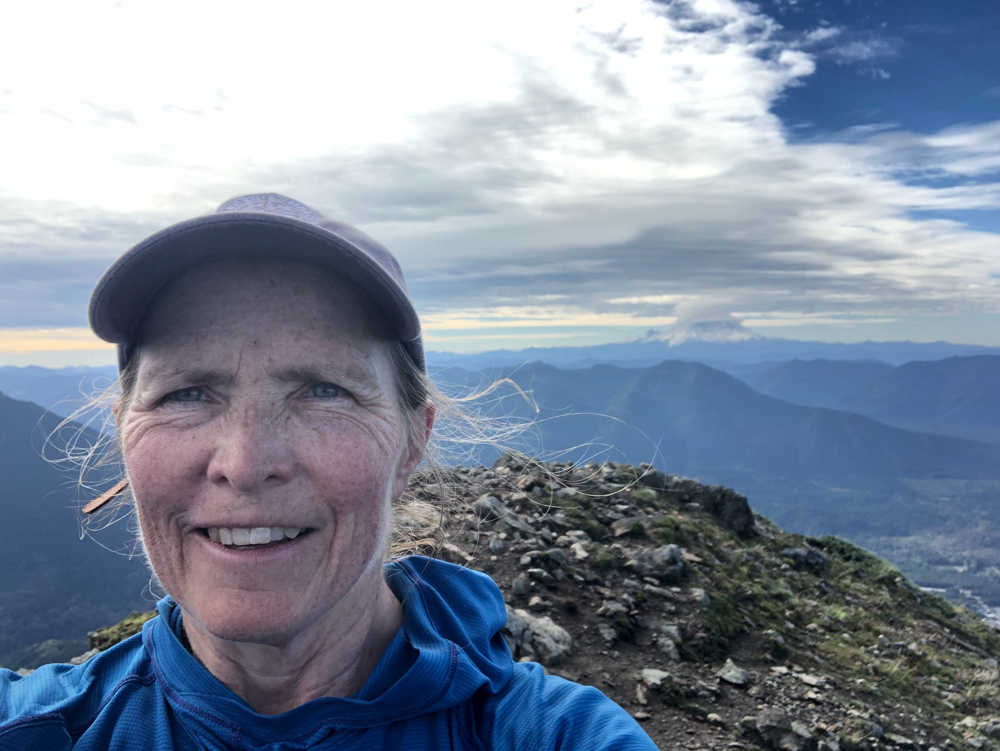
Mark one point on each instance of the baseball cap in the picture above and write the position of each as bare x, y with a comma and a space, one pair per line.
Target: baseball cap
262, 224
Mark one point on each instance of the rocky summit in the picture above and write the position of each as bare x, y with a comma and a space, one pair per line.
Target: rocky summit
708, 624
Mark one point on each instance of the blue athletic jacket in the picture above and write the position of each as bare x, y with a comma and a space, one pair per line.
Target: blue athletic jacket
446, 681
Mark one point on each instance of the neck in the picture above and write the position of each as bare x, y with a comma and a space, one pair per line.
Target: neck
333, 656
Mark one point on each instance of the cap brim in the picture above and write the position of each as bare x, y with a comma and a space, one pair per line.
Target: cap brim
129, 285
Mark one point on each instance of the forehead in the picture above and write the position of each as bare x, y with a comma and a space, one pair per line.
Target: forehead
266, 302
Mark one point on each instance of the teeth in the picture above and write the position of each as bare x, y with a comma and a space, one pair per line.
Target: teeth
241, 536
260, 535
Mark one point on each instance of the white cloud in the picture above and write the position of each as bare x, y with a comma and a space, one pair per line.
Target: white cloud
597, 164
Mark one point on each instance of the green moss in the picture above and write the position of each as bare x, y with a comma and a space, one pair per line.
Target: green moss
862, 563
668, 531
605, 559
722, 620
595, 530
108, 637
646, 495
624, 627
638, 531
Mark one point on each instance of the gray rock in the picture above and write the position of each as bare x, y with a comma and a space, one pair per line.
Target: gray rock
669, 648
733, 675
671, 632
654, 478
775, 729
488, 508
664, 563
654, 678
537, 604
730, 509
607, 633
558, 558
811, 560
610, 608
80, 659
537, 636
497, 546
521, 586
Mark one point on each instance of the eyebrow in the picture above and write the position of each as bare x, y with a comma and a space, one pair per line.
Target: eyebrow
327, 373
206, 376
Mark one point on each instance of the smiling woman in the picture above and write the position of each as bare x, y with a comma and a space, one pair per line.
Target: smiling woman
274, 405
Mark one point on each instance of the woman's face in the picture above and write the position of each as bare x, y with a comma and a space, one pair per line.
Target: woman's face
264, 400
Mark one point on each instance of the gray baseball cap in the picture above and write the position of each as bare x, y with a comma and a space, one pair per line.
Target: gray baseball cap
264, 224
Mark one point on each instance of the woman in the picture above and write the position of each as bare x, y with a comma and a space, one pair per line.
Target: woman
273, 406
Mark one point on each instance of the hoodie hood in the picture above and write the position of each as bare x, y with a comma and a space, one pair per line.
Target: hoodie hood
448, 648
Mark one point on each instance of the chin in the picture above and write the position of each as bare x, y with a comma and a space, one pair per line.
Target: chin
259, 617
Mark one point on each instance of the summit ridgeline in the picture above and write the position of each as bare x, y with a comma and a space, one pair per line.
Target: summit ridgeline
708, 624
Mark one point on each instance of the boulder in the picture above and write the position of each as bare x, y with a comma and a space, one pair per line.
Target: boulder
488, 508
665, 563
810, 560
730, 509
538, 637
733, 675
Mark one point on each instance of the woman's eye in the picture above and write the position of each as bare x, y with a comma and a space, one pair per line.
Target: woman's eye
325, 390
190, 394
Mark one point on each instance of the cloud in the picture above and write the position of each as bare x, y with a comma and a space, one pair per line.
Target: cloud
21, 341
864, 50
604, 166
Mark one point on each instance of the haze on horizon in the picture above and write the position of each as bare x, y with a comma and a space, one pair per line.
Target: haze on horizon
556, 174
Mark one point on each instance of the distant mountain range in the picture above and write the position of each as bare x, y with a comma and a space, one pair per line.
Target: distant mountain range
709, 342
52, 582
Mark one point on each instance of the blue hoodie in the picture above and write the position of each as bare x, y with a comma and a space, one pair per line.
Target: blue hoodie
446, 680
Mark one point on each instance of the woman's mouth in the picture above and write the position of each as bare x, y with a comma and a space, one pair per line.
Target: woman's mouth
250, 538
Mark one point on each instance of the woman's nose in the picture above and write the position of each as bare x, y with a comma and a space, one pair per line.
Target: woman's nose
252, 451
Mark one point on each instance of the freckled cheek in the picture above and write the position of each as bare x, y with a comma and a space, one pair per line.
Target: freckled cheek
353, 477
163, 471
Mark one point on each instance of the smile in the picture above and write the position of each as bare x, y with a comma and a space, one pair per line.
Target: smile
244, 538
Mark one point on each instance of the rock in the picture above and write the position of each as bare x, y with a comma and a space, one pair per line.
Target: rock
714, 719
671, 632
537, 604
454, 554
876, 730
611, 608
514, 524
558, 558
730, 509
663, 563
654, 678
811, 560
654, 478
488, 508
497, 546
701, 597
579, 552
537, 636
521, 586
607, 633
669, 648
80, 659
901, 741
540, 575
733, 675
24, 672
775, 729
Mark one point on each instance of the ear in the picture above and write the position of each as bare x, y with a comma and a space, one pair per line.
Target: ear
423, 419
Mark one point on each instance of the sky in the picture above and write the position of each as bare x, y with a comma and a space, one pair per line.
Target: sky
549, 173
